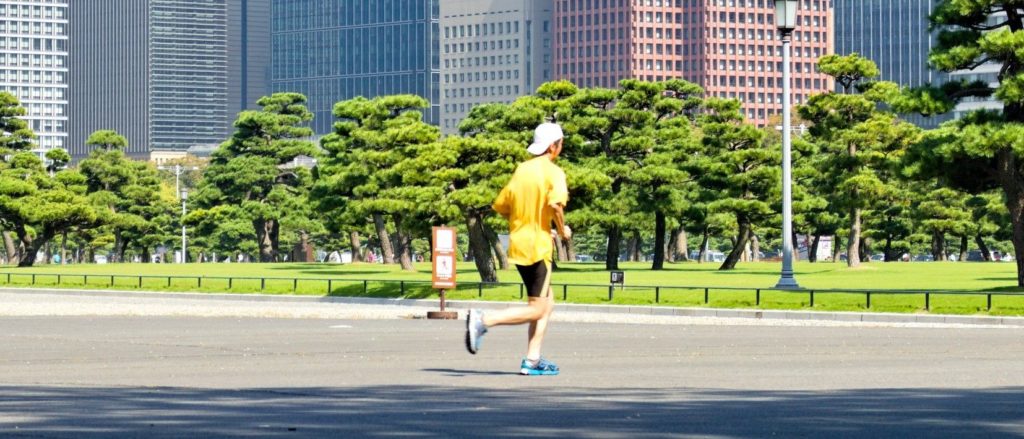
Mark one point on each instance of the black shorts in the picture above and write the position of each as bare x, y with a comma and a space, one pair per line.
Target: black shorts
536, 277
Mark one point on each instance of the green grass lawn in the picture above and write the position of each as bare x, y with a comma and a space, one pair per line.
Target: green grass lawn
385, 281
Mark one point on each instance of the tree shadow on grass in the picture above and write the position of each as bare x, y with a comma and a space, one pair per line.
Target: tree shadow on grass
552, 411
336, 270
1009, 279
393, 289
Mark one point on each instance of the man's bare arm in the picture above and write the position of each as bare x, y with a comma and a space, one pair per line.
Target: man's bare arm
563, 230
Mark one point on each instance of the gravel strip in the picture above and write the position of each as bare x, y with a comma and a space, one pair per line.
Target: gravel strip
166, 304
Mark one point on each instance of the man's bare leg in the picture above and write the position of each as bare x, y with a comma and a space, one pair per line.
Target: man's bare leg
539, 328
534, 310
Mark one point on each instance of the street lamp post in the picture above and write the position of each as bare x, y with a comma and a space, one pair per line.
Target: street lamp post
785, 20
184, 242
178, 170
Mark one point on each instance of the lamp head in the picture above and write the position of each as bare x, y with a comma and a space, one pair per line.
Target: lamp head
785, 15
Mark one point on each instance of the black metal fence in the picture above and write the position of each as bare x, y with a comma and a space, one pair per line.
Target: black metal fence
328, 285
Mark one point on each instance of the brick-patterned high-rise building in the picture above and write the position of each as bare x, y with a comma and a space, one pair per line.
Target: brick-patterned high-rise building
729, 47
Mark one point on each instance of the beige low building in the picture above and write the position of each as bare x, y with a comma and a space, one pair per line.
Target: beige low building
161, 156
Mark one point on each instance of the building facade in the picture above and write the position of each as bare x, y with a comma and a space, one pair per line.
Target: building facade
34, 65
987, 73
492, 51
729, 47
248, 47
895, 35
166, 74
334, 50
188, 68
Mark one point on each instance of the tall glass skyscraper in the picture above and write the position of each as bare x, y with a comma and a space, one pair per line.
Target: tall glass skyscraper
894, 34
167, 74
334, 50
34, 65
188, 72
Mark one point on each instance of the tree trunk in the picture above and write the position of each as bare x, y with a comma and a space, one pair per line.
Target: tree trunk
681, 249
302, 252
123, 249
631, 249
118, 246
702, 253
741, 243
496, 247
386, 250
12, 250
938, 246
480, 248
853, 242
837, 245
612, 252
146, 257
556, 242
638, 250
755, 248
500, 254
275, 239
356, 245
404, 249
570, 249
64, 248
983, 247
796, 246
32, 246
812, 251
659, 242
670, 247
887, 250
963, 248
865, 254
263, 228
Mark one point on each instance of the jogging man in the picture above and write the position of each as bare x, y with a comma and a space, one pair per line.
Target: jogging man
535, 197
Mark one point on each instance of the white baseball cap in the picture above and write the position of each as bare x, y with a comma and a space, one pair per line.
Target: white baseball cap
545, 135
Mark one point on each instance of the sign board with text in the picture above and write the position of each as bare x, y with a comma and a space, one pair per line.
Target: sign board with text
618, 277
444, 258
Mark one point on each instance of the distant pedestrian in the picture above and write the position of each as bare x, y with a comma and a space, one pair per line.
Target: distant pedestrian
534, 197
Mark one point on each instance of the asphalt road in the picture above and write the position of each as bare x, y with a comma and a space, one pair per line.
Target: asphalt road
187, 376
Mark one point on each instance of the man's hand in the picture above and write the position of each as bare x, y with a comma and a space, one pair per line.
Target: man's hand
559, 218
566, 232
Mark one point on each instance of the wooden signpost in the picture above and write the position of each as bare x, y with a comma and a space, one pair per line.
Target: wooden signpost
443, 272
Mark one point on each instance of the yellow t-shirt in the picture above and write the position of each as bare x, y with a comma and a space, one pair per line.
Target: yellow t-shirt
526, 202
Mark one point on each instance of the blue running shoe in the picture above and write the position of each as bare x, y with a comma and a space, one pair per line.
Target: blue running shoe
543, 367
475, 330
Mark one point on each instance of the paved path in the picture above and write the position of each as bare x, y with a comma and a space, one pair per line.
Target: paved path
173, 376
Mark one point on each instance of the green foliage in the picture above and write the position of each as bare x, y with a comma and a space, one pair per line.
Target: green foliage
375, 146
848, 70
251, 176
743, 166
35, 203
108, 140
126, 194
15, 135
861, 151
